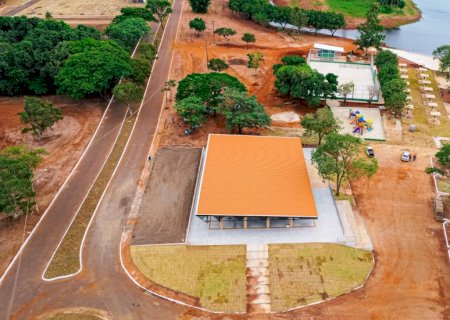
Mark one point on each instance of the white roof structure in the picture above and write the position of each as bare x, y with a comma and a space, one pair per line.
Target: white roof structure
328, 47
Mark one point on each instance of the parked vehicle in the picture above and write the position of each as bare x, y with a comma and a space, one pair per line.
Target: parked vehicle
369, 151
406, 156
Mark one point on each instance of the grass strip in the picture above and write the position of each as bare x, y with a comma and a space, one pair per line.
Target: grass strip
214, 274
66, 260
304, 273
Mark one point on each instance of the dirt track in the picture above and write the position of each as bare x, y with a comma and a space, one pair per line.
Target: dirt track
166, 206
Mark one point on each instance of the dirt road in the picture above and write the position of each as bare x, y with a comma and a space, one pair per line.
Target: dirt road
411, 278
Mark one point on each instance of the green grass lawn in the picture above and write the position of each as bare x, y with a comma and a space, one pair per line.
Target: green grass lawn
425, 130
304, 273
214, 274
358, 8
354, 8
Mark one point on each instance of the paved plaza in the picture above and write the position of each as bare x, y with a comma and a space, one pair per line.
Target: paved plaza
362, 75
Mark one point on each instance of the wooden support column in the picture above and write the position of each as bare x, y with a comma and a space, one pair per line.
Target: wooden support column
268, 222
245, 223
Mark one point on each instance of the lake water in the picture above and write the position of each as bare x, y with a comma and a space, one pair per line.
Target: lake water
432, 31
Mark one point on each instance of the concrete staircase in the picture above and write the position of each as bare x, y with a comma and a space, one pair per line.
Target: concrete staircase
258, 290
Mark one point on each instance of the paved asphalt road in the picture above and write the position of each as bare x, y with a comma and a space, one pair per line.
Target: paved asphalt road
102, 284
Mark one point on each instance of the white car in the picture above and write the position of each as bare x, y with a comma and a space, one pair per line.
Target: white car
406, 156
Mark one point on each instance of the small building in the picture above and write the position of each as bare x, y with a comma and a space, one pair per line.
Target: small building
254, 182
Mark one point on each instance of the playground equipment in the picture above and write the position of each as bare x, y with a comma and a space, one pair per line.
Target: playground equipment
360, 122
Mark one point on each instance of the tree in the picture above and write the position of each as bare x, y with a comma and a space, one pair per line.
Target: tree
302, 82
281, 15
340, 158
128, 92
128, 32
199, 6
248, 37
293, 60
385, 57
298, 18
226, 33
242, 111
371, 32
132, 12
373, 92
345, 89
192, 110
92, 73
320, 123
198, 24
254, 60
443, 155
16, 175
209, 87
140, 70
40, 116
443, 54
160, 8
217, 65
395, 95
147, 51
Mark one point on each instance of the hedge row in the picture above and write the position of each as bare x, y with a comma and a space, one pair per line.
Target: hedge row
392, 85
262, 12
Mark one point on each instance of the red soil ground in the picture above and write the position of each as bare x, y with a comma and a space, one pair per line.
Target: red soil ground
411, 274
64, 145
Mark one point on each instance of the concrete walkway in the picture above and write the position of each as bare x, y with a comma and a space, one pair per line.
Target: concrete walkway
258, 289
355, 232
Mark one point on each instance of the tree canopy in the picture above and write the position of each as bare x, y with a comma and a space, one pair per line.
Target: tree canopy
132, 12
127, 32
192, 110
392, 85
248, 38
128, 92
340, 158
254, 60
92, 72
242, 111
443, 54
39, 115
199, 6
371, 31
443, 155
217, 64
262, 12
226, 33
159, 8
320, 123
301, 82
198, 24
207, 86
27, 50
16, 175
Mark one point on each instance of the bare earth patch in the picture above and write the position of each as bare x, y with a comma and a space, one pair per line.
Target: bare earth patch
64, 145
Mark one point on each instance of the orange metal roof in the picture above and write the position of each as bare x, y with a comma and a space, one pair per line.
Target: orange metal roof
255, 176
